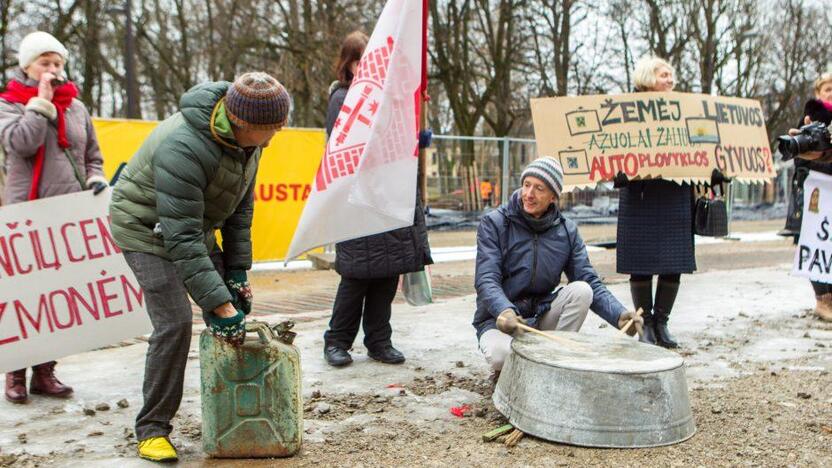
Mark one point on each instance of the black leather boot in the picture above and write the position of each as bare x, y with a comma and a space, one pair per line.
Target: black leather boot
337, 357
665, 297
642, 293
386, 354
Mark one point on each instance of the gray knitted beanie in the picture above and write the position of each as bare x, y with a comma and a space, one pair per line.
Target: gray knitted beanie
547, 169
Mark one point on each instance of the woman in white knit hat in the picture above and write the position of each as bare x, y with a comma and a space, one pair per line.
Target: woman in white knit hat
50, 149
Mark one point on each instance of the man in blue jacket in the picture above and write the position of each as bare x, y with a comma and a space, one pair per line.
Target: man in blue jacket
523, 248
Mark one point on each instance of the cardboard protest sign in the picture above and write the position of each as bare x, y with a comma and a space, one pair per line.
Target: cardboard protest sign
675, 136
64, 285
813, 257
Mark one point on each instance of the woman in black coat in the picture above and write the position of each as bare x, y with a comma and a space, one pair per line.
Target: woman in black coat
818, 109
369, 266
655, 229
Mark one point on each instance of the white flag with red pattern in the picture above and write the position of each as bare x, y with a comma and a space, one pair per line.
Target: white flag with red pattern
366, 182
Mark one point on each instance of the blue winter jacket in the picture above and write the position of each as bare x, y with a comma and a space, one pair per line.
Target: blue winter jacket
520, 269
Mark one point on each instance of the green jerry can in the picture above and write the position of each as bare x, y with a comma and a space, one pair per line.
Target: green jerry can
251, 396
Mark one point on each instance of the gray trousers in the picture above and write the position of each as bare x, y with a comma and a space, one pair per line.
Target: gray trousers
166, 300
568, 312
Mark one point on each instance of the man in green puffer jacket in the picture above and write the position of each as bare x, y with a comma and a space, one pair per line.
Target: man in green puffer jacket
193, 175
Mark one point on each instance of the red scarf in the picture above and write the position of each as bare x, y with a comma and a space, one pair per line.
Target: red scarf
19, 93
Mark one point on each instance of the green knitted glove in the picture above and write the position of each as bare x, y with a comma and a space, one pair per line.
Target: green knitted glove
229, 329
240, 289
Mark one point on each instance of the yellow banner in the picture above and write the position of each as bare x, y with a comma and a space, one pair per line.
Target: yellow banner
283, 181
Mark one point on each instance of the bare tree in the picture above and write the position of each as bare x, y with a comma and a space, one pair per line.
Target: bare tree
719, 31
666, 29
501, 53
462, 74
551, 23
620, 14
796, 59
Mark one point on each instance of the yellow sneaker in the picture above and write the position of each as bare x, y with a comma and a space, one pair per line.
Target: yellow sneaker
158, 449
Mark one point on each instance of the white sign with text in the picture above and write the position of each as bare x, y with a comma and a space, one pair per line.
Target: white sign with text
64, 285
813, 257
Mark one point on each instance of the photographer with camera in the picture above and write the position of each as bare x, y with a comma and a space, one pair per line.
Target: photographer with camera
810, 146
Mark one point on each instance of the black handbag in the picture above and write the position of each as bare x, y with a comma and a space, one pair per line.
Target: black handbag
711, 215
794, 216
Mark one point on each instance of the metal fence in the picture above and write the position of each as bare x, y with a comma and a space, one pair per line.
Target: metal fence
498, 163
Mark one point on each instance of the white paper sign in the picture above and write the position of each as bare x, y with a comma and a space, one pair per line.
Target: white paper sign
813, 257
65, 287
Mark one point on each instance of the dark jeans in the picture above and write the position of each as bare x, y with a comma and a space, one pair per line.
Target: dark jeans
372, 298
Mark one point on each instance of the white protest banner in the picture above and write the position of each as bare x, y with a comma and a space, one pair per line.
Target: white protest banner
366, 183
64, 285
813, 257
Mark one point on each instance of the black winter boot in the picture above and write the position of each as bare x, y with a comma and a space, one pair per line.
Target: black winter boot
386, 354
665, 297
337, 357
642, 292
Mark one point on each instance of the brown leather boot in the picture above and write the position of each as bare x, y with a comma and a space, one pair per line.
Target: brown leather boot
16, 386
45, 383
824, 307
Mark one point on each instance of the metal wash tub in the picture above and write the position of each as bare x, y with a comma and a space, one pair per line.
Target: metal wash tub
613, 392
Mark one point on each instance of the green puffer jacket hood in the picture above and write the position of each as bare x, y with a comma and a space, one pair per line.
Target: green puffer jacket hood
188, 179
199, 104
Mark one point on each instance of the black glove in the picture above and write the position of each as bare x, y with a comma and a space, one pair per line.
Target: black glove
425, 138
97, 187
620, 180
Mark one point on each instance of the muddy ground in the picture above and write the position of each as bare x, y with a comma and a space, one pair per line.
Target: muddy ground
770, 418
758, 368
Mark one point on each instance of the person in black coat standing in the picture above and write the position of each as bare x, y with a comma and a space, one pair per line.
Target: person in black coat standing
818, 109
655, 229
369, 266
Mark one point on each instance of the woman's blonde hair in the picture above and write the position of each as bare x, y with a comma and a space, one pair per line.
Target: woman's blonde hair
822, 80
644, 76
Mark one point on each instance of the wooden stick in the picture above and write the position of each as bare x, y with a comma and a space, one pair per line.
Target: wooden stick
631, 321
559, 339
494, 433
514, 438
